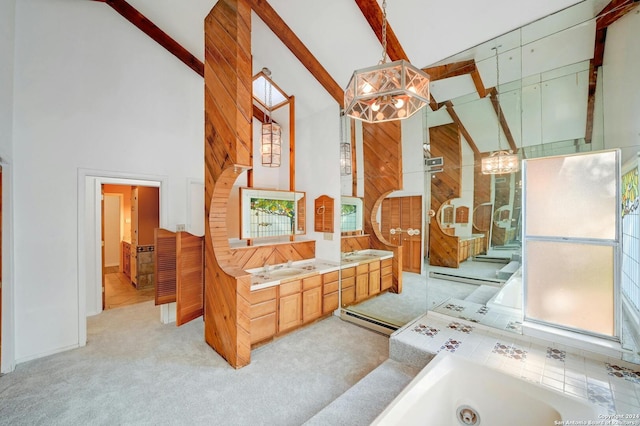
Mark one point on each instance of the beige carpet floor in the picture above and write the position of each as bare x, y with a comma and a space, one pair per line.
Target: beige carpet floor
135, 370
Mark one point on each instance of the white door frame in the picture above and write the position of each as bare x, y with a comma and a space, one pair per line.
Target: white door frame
90, 235
8, 358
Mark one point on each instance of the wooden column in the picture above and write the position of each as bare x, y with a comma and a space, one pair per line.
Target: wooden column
382, 149
228, 142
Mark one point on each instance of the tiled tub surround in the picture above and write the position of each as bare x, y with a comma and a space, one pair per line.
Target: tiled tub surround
453, 390
612, 384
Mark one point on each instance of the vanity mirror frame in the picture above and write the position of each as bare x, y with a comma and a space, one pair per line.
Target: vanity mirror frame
247, 197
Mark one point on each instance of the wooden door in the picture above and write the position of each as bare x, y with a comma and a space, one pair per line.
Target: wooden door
179, 273
404, 215
189, 277
102, 256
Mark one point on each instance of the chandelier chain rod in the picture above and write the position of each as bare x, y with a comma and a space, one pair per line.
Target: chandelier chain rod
384, 32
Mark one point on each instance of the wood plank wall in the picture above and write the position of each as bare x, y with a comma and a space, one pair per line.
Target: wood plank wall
481, 195
228, 142
228, 152
382, 149
445, 143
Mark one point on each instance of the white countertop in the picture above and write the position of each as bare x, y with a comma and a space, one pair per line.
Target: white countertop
276, 274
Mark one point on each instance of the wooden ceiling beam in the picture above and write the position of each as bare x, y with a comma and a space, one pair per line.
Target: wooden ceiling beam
463, 130
614, 11
277, 25
132, 15
493, 95
373, 14
152, 30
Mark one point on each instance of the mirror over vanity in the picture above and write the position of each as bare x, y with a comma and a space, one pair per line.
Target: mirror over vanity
543, 90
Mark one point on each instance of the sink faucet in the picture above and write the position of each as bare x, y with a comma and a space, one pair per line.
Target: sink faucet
266, 266
289, 263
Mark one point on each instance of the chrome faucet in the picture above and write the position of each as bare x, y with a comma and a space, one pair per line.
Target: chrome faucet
289, 263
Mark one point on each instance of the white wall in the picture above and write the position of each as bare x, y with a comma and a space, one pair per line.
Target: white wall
91, 93
621, 85
318, 172
7, 40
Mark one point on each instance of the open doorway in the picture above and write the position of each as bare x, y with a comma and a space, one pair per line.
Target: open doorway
130, 214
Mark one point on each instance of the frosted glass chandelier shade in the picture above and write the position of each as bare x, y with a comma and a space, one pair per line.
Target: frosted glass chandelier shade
388, 91
271, 144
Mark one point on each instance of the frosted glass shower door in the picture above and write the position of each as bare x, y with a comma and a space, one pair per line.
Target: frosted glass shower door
571, 241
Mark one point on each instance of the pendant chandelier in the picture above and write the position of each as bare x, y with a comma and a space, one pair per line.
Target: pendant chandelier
271, 141
387, 91
499, 162
345, 148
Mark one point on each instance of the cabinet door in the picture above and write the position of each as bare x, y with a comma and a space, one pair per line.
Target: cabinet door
348, 291
311, 304
374, 282
362, 286
290, 311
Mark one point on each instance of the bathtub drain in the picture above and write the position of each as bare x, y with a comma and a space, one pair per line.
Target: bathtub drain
467, 416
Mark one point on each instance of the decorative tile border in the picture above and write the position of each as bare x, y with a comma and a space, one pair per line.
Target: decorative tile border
454, 307
509, 351
483, 310
460, 327
451, 345
623, 373
426, 330
553, 353
514, 326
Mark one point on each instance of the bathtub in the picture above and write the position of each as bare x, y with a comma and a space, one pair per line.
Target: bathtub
451, 386
509, 297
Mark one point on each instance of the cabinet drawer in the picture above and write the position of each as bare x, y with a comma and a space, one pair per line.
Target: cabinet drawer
386, 262
258, 296
330, 287
330, 276
263, 328
348, 282
330, 303
386, 282
311, 282
362, 269
387, 270
263, 308
374, 266
290, 288
348, 272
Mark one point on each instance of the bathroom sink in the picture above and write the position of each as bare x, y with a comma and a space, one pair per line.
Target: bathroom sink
285, 272
358, 258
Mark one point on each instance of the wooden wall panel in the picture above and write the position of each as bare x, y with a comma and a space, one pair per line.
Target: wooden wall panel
445, 143
382, 149
354, 243
228, 142
228, 152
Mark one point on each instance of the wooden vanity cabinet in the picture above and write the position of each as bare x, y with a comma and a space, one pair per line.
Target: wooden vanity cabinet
311, 298
348, 286
374, 278
386, 274
263, 314
330, 292
362, 281
290, 305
